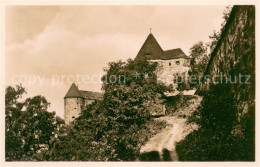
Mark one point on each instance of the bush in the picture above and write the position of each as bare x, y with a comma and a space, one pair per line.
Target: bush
216, 140
27, 131
115, 128
94, 137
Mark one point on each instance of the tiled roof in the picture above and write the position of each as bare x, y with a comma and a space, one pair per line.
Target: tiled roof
73, 92
150, 48
173, 54
91, 95
153, 51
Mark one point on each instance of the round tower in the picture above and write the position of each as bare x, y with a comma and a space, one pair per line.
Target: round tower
73, 104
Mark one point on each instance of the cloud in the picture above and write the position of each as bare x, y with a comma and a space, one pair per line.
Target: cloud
24, 22
60, 51
70, 40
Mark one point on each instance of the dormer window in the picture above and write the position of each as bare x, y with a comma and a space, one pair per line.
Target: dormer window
178, 62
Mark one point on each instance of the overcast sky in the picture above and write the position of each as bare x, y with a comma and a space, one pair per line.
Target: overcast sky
52, 42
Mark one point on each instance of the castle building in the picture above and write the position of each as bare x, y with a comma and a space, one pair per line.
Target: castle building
170, 62
75, 101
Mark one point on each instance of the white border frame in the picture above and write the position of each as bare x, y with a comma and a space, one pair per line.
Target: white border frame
121, 2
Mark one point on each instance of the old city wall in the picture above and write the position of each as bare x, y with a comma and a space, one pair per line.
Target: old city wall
234, 55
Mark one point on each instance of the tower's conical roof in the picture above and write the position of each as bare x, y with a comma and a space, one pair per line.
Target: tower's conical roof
73, 92
150, 48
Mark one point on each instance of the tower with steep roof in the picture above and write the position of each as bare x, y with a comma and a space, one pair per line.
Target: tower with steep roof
150, 48
73, 104
75, 101
170, 62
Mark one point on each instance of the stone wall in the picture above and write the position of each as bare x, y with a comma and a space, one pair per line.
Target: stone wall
167, 69
177, 103
72, 108
88, 102
234, 55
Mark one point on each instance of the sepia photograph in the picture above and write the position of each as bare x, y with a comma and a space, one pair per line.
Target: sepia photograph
129, 83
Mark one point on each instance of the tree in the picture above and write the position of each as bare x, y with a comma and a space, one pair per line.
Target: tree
139, 90
116, 127
29, 126
128, 105
13, 119
200, 52
215, 36
222, 134
216, 138
226, 14
199, 60
182, 82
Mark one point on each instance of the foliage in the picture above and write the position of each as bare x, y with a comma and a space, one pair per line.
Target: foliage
224, 134
215, 36
182, 82
114, 128
28, 125
94, 137
200, 52
216, 140
199, 60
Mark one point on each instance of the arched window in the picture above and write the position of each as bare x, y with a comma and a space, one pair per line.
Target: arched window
170, 64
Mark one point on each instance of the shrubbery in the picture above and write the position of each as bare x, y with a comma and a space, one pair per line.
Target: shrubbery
29, 127
117, 126
95, 137
217, 139
113, 129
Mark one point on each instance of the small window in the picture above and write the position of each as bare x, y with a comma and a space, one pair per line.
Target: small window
178, 62
73, 116
75, 108
170, 64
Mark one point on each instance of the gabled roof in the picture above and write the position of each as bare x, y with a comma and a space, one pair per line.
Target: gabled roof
153, 51
173, 54
73, 92
91, 95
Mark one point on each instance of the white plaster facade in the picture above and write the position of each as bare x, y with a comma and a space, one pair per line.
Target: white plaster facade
167, 69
